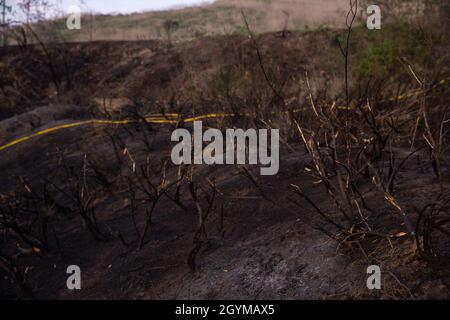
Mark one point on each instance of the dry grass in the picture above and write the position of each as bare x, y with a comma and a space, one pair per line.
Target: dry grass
221, 18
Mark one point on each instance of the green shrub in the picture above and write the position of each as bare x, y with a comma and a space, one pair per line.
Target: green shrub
377, 53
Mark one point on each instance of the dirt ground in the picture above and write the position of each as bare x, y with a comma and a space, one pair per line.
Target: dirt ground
266, 248
262, 242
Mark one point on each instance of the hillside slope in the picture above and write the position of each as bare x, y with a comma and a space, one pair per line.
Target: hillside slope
261, 240
222, 17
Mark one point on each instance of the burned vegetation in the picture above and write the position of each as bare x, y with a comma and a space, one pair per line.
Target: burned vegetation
363, 176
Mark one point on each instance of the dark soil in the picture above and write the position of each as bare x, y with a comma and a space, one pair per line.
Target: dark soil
264, 246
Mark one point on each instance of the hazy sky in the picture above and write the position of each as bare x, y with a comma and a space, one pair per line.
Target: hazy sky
127, 6
118, 6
